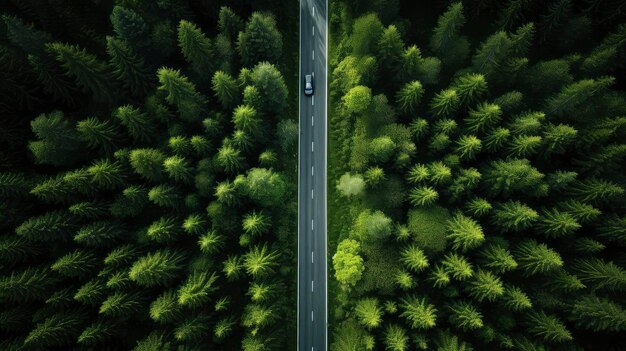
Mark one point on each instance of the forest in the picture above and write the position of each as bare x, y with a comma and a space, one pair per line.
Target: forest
147, 175
476, 175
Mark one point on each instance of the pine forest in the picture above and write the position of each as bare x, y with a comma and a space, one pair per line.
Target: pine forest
476, 175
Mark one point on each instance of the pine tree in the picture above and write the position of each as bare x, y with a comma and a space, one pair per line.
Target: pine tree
600, 274
260, 40
514, 215
195, 46
457, 266
128, 67
78, 263
598, 314
90, 73
368, 312
226, 89
534, 258
165, 196
423, 196
418, 312
130, 26
259, 261
445, 41
148, 163
498, 259
396, 338
464, 316
120, 304
57, 139
554, 223
98, 234
595, 190
97, 333
182, 94
409, 96
515, 299
229, 22
464, 232
165, 308
485, 286
211, 242
445, 103
470, 88
57, 330
414, 258
197, 289
547, 327
164, 230
575, 94
139, 125
157, 268
30, 284
468, 146
484, 116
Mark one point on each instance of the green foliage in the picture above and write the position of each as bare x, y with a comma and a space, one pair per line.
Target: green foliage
464, 233
156, 268
485, 286
351, 185
182, 94
598, 314
57, 139
409, 96
418, 312
445, 41
465, 316
514, 215
347, 262
357, 99
194, 45
197, 289
428, 227
138, 124
547, 327
260, 40
368, 312
128, 67
423, 196
414, 258
89, 73
534, 258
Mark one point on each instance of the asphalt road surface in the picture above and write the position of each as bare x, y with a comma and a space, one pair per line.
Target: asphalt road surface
312, 294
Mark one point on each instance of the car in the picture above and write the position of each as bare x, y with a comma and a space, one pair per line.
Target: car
308, 85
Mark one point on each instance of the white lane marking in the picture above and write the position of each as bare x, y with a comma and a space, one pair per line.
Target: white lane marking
311, 286
311, 256
311, 225
312, 100
313, 30
312, 120
311, 173
311, 146
311, 316
313, 55
313, 11
311, 193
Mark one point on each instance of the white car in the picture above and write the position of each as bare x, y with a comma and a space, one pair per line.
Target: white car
308, 85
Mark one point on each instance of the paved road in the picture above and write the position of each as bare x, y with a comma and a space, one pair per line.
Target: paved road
312, 294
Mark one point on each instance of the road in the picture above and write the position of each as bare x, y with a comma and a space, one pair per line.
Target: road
312, 160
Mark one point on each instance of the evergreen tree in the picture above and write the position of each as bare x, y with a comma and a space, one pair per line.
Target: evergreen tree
90, 73
182, 94
260, 40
